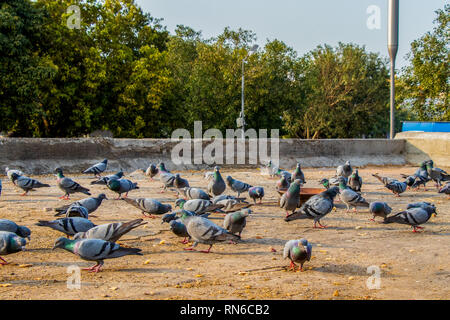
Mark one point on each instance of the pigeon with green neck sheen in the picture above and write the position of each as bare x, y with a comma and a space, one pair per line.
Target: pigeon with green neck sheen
355, 181
27, 184
256, 193
235, 222
290, 201
68, 185
298, 174
149, 206
203, 230
351, 198
297, 251
11, 226
95, 250
316, 208
282, 185
10, 243
122, 186
97, 168
216, 185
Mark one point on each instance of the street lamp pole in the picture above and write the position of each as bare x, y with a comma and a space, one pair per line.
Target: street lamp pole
393, 48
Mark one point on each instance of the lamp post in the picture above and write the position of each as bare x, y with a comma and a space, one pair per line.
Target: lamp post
242, 116
393, 48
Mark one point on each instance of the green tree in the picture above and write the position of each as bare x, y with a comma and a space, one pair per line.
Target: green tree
425, 85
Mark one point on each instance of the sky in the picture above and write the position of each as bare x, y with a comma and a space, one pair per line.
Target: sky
302, 24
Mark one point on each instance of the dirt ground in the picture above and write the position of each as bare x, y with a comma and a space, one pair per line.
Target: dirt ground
412, 265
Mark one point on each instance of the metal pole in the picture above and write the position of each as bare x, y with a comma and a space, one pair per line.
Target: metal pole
393, 10
242, 101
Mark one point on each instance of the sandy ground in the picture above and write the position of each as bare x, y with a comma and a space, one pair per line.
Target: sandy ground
412, 266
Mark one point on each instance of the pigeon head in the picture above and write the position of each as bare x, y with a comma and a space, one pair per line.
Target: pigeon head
431, 209
102, 196
61, 243
162, 166
303, 242
325, 183
105, 161
14, 176
180, 203
16, 244
229, 179
168, 217
24, 232
176, 225
246, 212
216, 169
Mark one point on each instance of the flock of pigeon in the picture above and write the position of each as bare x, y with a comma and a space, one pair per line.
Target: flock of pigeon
194, 205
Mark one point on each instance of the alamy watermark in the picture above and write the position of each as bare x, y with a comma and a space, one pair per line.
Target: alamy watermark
196, 150
374, 281
74, 20
374, 20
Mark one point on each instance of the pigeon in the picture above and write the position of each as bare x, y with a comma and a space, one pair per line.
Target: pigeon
276, 171
422, 205
446, 189
282, 185
151, 171
216, 185
9, 173
351, 198
177, 215
194, 193
11, 226
122, 186
166, 177
95, 250
91, 204
198, 206
10, 243
222, 197
77, 211
290, 201
111, 232
235, 222
420, 180
297, 251
298, 174
355, 181
27, 184
345, 170
256, 193
97, 168
237, 186
104, 180
180, 182
69, 226
150, 206
179, 229
325, 182
203, 230
394, 185
413, 217
316, 207
232, 205
379, 209
436, 174
68, 185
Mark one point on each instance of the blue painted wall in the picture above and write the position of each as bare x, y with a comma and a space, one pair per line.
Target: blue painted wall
426, 126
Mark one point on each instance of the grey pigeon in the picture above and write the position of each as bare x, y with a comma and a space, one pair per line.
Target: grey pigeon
237, 186
344, 170
317, 207
232, 205
179, 229
77, 211
10, 243
95, 250
198, 206
27, 184
351, 198
11, 226
276, 171
446, 189
297, 251
97, 168
436, 174
282, 185
91, 204
394, 185
290, 201
122, 186
69, 226
151, 171
216, 185
355, 181
421, 204
150, 206
166, 177
325, 182
222, 197
110, 232
203, 230
179, 182
298, 174
413, 217
194, 193
235, 222
68, 185
104, 180
256, 193
379, 209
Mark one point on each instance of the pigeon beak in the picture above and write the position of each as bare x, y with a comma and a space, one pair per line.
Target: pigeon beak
29, 238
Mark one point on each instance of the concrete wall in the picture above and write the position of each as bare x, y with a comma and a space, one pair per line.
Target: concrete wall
421, 146
42, 156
